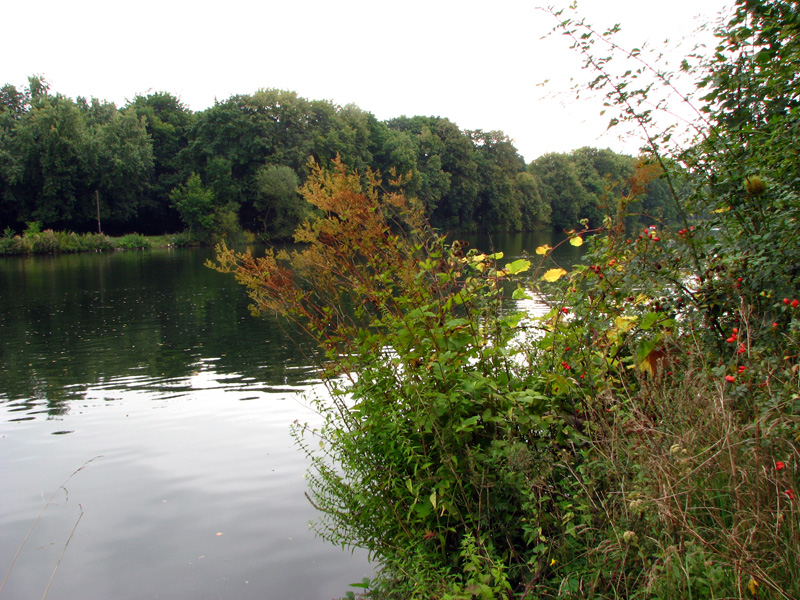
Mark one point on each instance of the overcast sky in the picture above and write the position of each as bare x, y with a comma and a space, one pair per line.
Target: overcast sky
477, 63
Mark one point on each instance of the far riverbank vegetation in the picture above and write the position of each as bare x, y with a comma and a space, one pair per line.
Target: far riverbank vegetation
73, 167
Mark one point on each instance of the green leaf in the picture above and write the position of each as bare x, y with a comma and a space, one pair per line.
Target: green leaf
520, 294
518, 266
643, 351
468, 423
649, 319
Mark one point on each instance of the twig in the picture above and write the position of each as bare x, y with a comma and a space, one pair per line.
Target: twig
63, 551
39, 516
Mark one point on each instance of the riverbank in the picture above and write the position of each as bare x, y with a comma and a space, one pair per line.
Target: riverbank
35, 241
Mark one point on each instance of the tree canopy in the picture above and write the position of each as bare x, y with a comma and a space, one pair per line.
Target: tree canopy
68, 164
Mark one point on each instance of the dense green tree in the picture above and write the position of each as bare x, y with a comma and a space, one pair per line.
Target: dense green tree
195, 204
355, 136
498, 165
53, 145
452, 194
560, 186
122, 167
13, 102
167, 121
13, 105
604, 176
278, 200
535, 212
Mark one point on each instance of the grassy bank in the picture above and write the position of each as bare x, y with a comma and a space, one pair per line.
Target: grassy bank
35, 241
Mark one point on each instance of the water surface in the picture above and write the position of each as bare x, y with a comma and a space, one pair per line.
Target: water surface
147, 370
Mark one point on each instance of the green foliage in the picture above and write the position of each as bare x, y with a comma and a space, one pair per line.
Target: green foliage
586, 184
195, 204
640, 439
278, 200
133, 241
32, 228
167, 122
443, 452
35, 241
60, 158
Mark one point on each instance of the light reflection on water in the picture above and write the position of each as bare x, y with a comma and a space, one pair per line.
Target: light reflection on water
197, 494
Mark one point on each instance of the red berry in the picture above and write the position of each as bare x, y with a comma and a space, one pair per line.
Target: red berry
730, 378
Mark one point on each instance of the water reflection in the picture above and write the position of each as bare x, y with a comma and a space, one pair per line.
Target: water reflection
77, 322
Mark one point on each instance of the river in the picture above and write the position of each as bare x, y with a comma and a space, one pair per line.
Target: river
144, 435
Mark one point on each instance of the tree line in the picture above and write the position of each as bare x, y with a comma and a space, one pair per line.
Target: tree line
154, 166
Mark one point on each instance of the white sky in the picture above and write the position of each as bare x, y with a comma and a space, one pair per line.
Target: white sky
477, 63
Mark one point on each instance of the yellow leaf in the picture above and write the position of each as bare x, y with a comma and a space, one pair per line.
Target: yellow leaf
542, 250
625, 323
576, 241
722, 210
753, 586
554, 274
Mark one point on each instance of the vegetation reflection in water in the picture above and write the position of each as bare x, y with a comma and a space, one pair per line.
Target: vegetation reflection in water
151, 319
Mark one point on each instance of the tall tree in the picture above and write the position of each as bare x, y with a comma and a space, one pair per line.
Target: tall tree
560, 186
122, 168
498, 167
54, 150
168, 122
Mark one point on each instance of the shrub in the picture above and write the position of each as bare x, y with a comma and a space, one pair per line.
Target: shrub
44, 242
440, 453
133, 241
